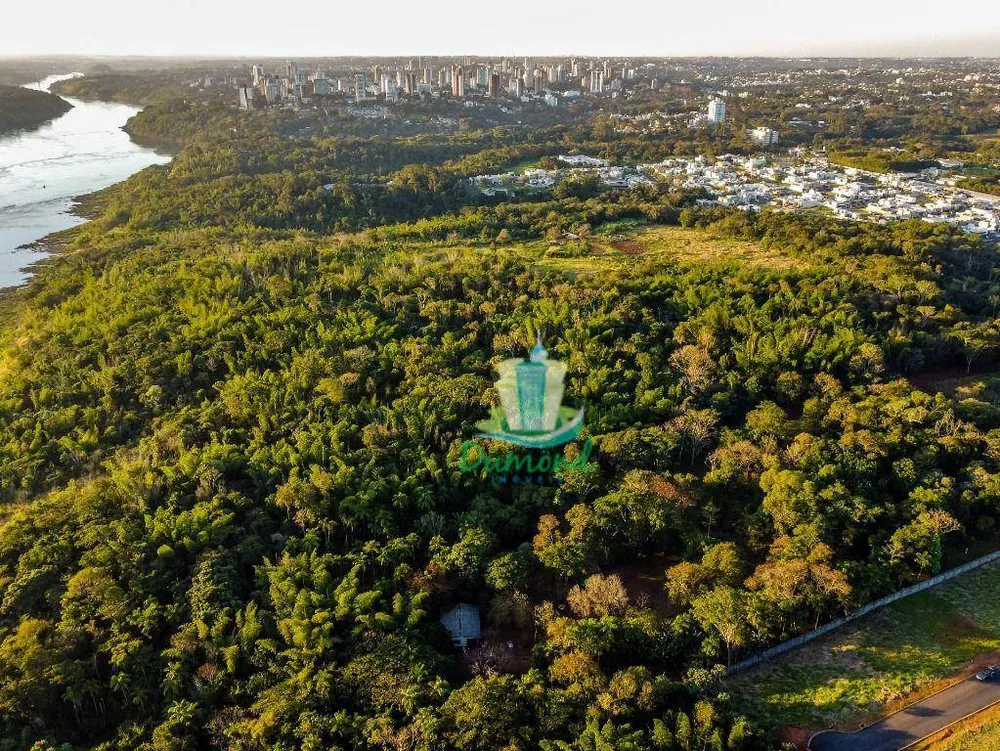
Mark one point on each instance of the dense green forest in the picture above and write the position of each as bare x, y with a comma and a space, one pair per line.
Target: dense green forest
131, 88
231, 415
22, 108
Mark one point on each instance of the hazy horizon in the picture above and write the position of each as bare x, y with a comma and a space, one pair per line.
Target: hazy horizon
251, 28
583, 54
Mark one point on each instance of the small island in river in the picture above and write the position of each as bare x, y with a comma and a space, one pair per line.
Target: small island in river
22, 108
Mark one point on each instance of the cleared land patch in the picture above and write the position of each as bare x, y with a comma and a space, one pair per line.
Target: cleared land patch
652, 246
686, 244
888, 659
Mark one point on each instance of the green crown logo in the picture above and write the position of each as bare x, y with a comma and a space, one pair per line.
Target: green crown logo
531, 412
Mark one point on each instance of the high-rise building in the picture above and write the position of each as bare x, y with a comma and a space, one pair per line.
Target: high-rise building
246, 98
596, 81
493, 90
716, 111
359, 87
457, 82
410, 84
272, 90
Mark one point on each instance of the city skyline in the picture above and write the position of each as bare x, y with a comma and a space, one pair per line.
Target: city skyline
517, 27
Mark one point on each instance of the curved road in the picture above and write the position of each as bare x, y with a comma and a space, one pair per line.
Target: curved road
916, 721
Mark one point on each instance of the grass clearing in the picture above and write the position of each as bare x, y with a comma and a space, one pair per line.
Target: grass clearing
522, 165
882, 662
649, 246
686, 244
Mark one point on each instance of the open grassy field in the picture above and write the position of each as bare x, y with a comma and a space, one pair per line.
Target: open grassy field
881, 662
617, 251
698, 246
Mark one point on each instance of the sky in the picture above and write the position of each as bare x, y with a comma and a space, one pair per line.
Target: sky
330, 28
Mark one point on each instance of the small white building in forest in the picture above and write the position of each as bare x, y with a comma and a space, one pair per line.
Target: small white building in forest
462, 621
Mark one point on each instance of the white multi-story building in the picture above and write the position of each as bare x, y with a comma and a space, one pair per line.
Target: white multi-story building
716, 111
763, 136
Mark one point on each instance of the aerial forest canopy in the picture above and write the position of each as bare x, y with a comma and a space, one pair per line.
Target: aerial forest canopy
231, 416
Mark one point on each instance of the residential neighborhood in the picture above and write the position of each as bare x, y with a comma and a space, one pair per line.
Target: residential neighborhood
797, 181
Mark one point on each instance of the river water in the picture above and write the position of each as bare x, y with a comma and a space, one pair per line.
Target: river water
42, 170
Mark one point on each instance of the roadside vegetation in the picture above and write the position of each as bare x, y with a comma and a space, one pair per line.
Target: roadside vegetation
978, 733
887, 659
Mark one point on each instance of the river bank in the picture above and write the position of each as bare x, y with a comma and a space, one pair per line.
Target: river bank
45, 172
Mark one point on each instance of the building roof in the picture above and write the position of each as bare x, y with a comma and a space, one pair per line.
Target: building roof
463, 623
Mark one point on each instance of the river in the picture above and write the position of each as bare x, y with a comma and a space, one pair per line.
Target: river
42, 170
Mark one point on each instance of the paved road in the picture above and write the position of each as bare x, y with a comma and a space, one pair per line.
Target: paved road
914, 722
